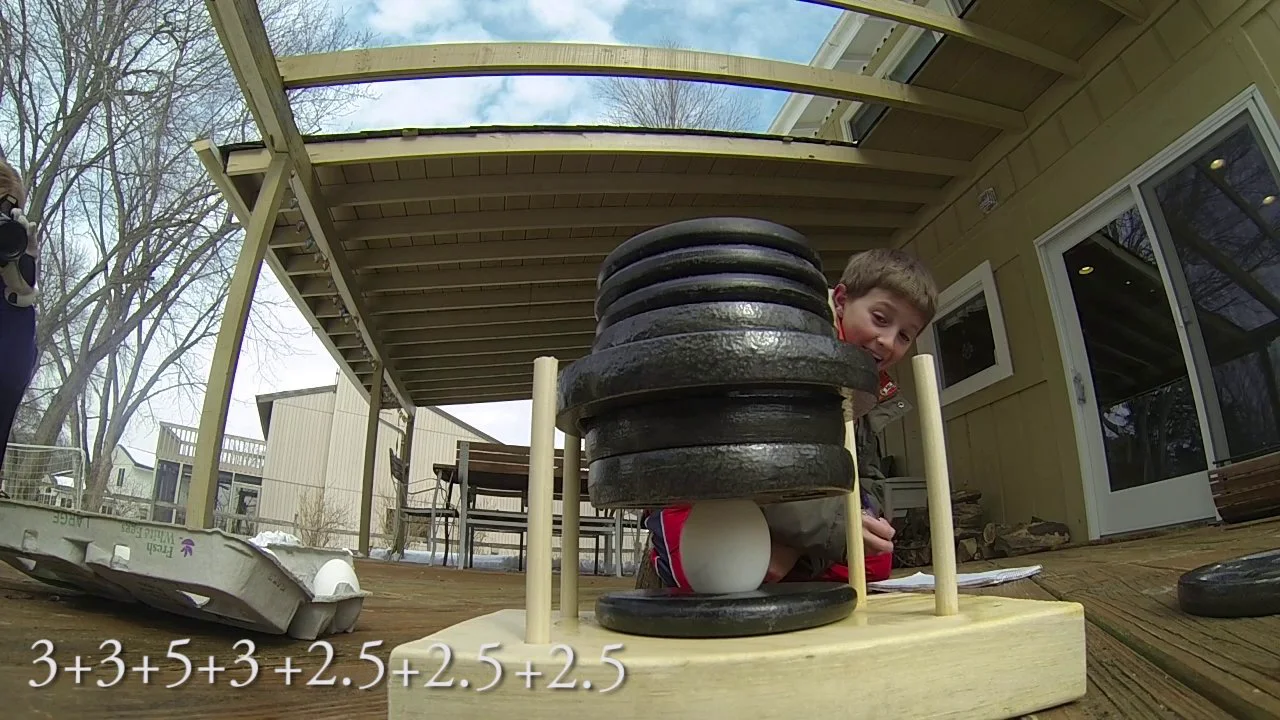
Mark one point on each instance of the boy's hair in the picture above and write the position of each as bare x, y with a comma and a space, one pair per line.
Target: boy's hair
896, 271
11, 183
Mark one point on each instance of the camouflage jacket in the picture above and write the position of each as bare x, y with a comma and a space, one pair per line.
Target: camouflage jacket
817, 527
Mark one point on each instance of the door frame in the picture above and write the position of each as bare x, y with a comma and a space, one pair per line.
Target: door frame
1089, 443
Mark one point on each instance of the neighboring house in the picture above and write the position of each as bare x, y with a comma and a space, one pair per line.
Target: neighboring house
239, 478
1110, 287
315, 458
130, 486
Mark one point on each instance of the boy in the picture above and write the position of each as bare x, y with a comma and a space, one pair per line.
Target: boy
885, 298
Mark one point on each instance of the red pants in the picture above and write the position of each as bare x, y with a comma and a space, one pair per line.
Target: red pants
665, 526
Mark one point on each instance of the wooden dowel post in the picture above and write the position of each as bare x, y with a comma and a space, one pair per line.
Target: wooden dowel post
537, 629
855, 550
569, 532
938, 484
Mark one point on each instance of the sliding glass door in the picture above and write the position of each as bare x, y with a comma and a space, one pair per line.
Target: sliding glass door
1166, 295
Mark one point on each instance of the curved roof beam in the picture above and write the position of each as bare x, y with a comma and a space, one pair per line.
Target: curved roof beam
588, 59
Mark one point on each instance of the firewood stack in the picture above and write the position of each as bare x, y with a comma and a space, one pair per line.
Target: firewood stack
975, 539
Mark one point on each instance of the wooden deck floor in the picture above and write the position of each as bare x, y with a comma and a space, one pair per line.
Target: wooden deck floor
1146, 659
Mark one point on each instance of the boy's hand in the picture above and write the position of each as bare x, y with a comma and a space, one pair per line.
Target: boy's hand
877, 535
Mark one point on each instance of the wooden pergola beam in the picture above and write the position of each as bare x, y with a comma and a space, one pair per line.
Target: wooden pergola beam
474, 320
561, 218
448, 60
244, 41
491, 186
965, 30
530, 249
597, 141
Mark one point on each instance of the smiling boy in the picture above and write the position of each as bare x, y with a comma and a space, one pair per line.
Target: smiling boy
884, 300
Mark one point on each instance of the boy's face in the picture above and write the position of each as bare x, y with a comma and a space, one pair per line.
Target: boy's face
880, 322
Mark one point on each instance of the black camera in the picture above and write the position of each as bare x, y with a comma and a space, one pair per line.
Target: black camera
13, 236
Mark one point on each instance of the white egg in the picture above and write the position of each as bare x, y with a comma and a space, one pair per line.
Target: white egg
725, 546
332, 576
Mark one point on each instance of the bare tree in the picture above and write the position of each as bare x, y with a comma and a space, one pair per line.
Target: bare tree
100, 103
681, 104
318, 521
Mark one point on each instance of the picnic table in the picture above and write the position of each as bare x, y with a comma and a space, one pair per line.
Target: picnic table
502, 471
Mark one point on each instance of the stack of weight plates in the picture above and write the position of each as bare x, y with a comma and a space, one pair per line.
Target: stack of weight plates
716, 371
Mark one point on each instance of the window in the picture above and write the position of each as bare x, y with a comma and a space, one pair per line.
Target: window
120, 477
967, 336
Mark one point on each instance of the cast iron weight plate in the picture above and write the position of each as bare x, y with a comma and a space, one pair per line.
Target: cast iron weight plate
723, 287
762, 472
727, 359
707, 231
1247, 586
703, 317
770, 610
708, 260
749, 416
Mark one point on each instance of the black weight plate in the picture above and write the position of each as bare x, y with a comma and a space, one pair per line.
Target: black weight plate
725, 287
702, 317
707, 231
747, 417
1247, 586
726, 359
763, 472
708, 260
769, 610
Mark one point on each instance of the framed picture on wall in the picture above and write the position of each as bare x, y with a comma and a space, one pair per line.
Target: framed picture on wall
967, 337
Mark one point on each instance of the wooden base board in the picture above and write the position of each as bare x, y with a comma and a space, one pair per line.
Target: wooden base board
894, 659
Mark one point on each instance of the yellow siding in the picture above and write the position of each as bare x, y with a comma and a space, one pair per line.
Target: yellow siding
1145, 87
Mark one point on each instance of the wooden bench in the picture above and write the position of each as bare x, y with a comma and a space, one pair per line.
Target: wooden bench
499, 470
1247, 490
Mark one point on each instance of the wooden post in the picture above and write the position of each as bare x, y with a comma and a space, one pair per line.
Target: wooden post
938, 486
370, 457
542, 449
402, 484
570, 525
202, 495
855, 550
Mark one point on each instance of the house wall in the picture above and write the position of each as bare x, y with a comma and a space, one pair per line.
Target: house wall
1145, 86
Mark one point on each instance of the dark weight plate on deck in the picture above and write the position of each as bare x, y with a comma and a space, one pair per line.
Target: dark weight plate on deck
702, 317
779, 416
1246, 586
724, 287
709, 260
763, 472
707, 231
676, 365
769, 610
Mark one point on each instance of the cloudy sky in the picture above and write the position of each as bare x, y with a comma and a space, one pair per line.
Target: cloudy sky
788, 30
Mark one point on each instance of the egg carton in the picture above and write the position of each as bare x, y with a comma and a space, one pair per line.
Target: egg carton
205, 574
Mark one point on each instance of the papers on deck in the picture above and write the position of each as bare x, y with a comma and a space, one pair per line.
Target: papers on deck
922, 581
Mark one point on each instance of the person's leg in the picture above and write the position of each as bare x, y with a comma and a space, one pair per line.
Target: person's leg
17, 364
664, 528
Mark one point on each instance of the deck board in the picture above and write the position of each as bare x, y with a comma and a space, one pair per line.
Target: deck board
1136, 668
1122, 684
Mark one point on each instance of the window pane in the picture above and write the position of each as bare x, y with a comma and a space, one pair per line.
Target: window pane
964, 341
1219, 209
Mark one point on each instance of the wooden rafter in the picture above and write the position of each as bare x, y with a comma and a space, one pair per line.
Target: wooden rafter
532, 249
519, 220
1131, 9
244, 39
968, 31
598, 141
484, 59
488, 186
